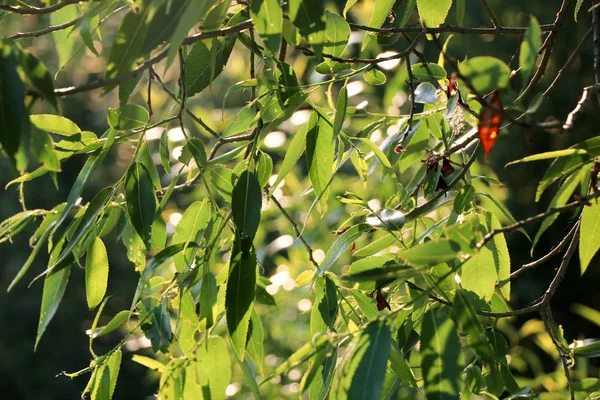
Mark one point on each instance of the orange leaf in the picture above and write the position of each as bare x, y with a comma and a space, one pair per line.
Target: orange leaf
489, 123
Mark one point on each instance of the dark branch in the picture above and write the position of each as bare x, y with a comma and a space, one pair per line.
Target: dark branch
38, 10
454, 29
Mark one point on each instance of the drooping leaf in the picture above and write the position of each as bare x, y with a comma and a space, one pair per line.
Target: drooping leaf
156, 323
264, 168
561, 198
577, 7
194, 11
39, 76
240, 294
485, 73
340, 111
54, 289
337, 34
297, 146
532, 41
254, 345
141, 200
194, 220
214, 367
440, 348
374, 77
364, 372
433, 12
246, 204
114, 323
129, 116
309, 17
464, 199
64, 38
14, 119
589, 238
200, 71
319, 153
96, 273
431, 253
208, 298
268, 20
323, 313
340, 245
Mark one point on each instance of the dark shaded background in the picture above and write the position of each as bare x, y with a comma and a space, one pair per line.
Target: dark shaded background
28, 375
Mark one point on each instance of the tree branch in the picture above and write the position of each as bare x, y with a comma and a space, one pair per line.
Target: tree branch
596, 28
50, 29
500, 30
553, 210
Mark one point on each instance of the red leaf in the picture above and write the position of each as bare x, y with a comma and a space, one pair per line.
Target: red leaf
381, 301
489, 123
452, 84
447, 168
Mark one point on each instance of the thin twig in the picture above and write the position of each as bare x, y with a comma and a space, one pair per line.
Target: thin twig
189, 112
552, 328
491, 14
547, 46
50, 29
501, 30
149, 94
552, 210
579, 109
569, 62
38, 10
560, 274
596, 27
100, 83
548, 256
297, 231
411, 86
183, 87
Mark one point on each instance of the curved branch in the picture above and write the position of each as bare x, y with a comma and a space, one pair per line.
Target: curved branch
50, 29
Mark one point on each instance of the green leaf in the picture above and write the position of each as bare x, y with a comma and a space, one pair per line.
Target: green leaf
194, 148
214, 367
239, 297
96, 273
428, 72
337, 33
340, 111
309, 17
200, 71
246, 204
189, 229
340, 245
589, 237
460, 12
365, 371
40, 78
221, 178
464, 315
41, 148
268, 20
588, 351
245, 120
389, 219
64, 39
195, 10
254, 346
114, 323
532, 41
208, 299
440, 350
141, 200
380, 12
431, 253
324, 310
433, 12
561, 198
292, 155
374, 77
106, 376
14, 120
506, 213
264, 168
85, 224
154, 263
165, 155
319, 375
156, 323
548, 155
187, 323
55, 124
485, 73
146, 26
302, 354
148, 362
464, 199
577, 7
129, 116
491, 265
319, 153
54, 289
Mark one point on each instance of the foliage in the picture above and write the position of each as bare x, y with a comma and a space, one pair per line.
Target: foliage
410, 298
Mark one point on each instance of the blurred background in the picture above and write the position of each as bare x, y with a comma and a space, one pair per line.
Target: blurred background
64, 347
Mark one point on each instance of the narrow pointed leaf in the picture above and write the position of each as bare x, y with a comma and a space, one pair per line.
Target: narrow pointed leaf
54, 289
589, 238
246, 204
96, 273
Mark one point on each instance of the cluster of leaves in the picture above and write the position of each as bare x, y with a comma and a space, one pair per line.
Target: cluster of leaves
416, 311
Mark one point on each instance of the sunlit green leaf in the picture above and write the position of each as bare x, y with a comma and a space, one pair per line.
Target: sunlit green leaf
267, 18
485, 73
589, 237
96, 273
530, 46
